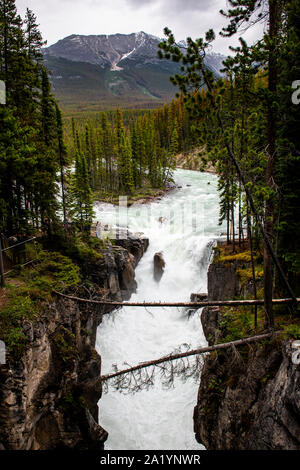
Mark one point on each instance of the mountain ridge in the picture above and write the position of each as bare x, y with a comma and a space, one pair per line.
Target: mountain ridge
110, 70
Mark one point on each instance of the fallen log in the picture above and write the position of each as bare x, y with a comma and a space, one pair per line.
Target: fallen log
211, 303
193, 352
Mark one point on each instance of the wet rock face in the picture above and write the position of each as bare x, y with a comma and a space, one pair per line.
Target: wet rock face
223, 284
222, 281
116, 271
159, 266
49, 396
250, 399
198, 297
253, 405
210, 323
135, 243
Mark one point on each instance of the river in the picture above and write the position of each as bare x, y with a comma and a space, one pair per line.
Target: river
160, 418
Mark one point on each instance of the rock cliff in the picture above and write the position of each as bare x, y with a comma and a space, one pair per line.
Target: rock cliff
250, 399
49, 395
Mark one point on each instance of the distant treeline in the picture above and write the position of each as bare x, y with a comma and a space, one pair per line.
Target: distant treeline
126, 150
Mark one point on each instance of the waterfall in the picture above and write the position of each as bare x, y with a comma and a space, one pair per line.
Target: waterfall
183, 226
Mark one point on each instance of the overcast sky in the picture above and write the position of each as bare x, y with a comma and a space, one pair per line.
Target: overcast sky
61, 18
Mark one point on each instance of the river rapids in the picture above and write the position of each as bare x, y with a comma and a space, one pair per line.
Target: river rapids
183, 225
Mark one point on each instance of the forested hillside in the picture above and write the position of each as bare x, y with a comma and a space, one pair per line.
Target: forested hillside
249, 124
130, 151
102, 71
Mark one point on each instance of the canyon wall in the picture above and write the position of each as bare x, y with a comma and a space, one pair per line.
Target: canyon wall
49, 396
248, 399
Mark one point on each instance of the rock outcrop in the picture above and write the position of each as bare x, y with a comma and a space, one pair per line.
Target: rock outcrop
223, 283
158, 266
49, 395
248, 400
135, 243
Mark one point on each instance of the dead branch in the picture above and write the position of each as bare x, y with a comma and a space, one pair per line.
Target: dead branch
176, 356
143, 379
212, 303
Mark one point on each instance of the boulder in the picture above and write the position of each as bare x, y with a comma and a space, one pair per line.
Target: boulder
199, 297
159, 265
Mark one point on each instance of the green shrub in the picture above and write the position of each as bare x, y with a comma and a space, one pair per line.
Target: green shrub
25, 298
54, 271
222, 257
72, 404
65, 342
238, 322
12, 316
292, 331
17, 308
246, 274
16, 341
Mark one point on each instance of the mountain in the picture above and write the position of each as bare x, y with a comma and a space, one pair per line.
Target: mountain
103, 71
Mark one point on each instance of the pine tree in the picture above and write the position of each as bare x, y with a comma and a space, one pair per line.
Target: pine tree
33, 38
244, 11
135, 158
48, 112
127, 166
62, 155
80, 194
10, 25
194, 74
287, 171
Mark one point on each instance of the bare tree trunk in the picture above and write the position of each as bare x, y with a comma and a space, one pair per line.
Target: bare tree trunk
271, 133
276, 248
252, 266
210, 303
228, 227
241, 234
233, 224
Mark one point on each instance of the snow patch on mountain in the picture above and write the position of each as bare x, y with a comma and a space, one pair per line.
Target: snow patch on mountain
128, 54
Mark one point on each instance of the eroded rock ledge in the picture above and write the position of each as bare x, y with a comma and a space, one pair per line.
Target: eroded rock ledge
249, 401
49, 396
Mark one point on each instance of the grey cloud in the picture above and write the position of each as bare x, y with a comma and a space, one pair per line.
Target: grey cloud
177, 5
183, 17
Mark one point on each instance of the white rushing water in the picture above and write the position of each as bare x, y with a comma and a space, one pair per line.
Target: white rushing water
160, 418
